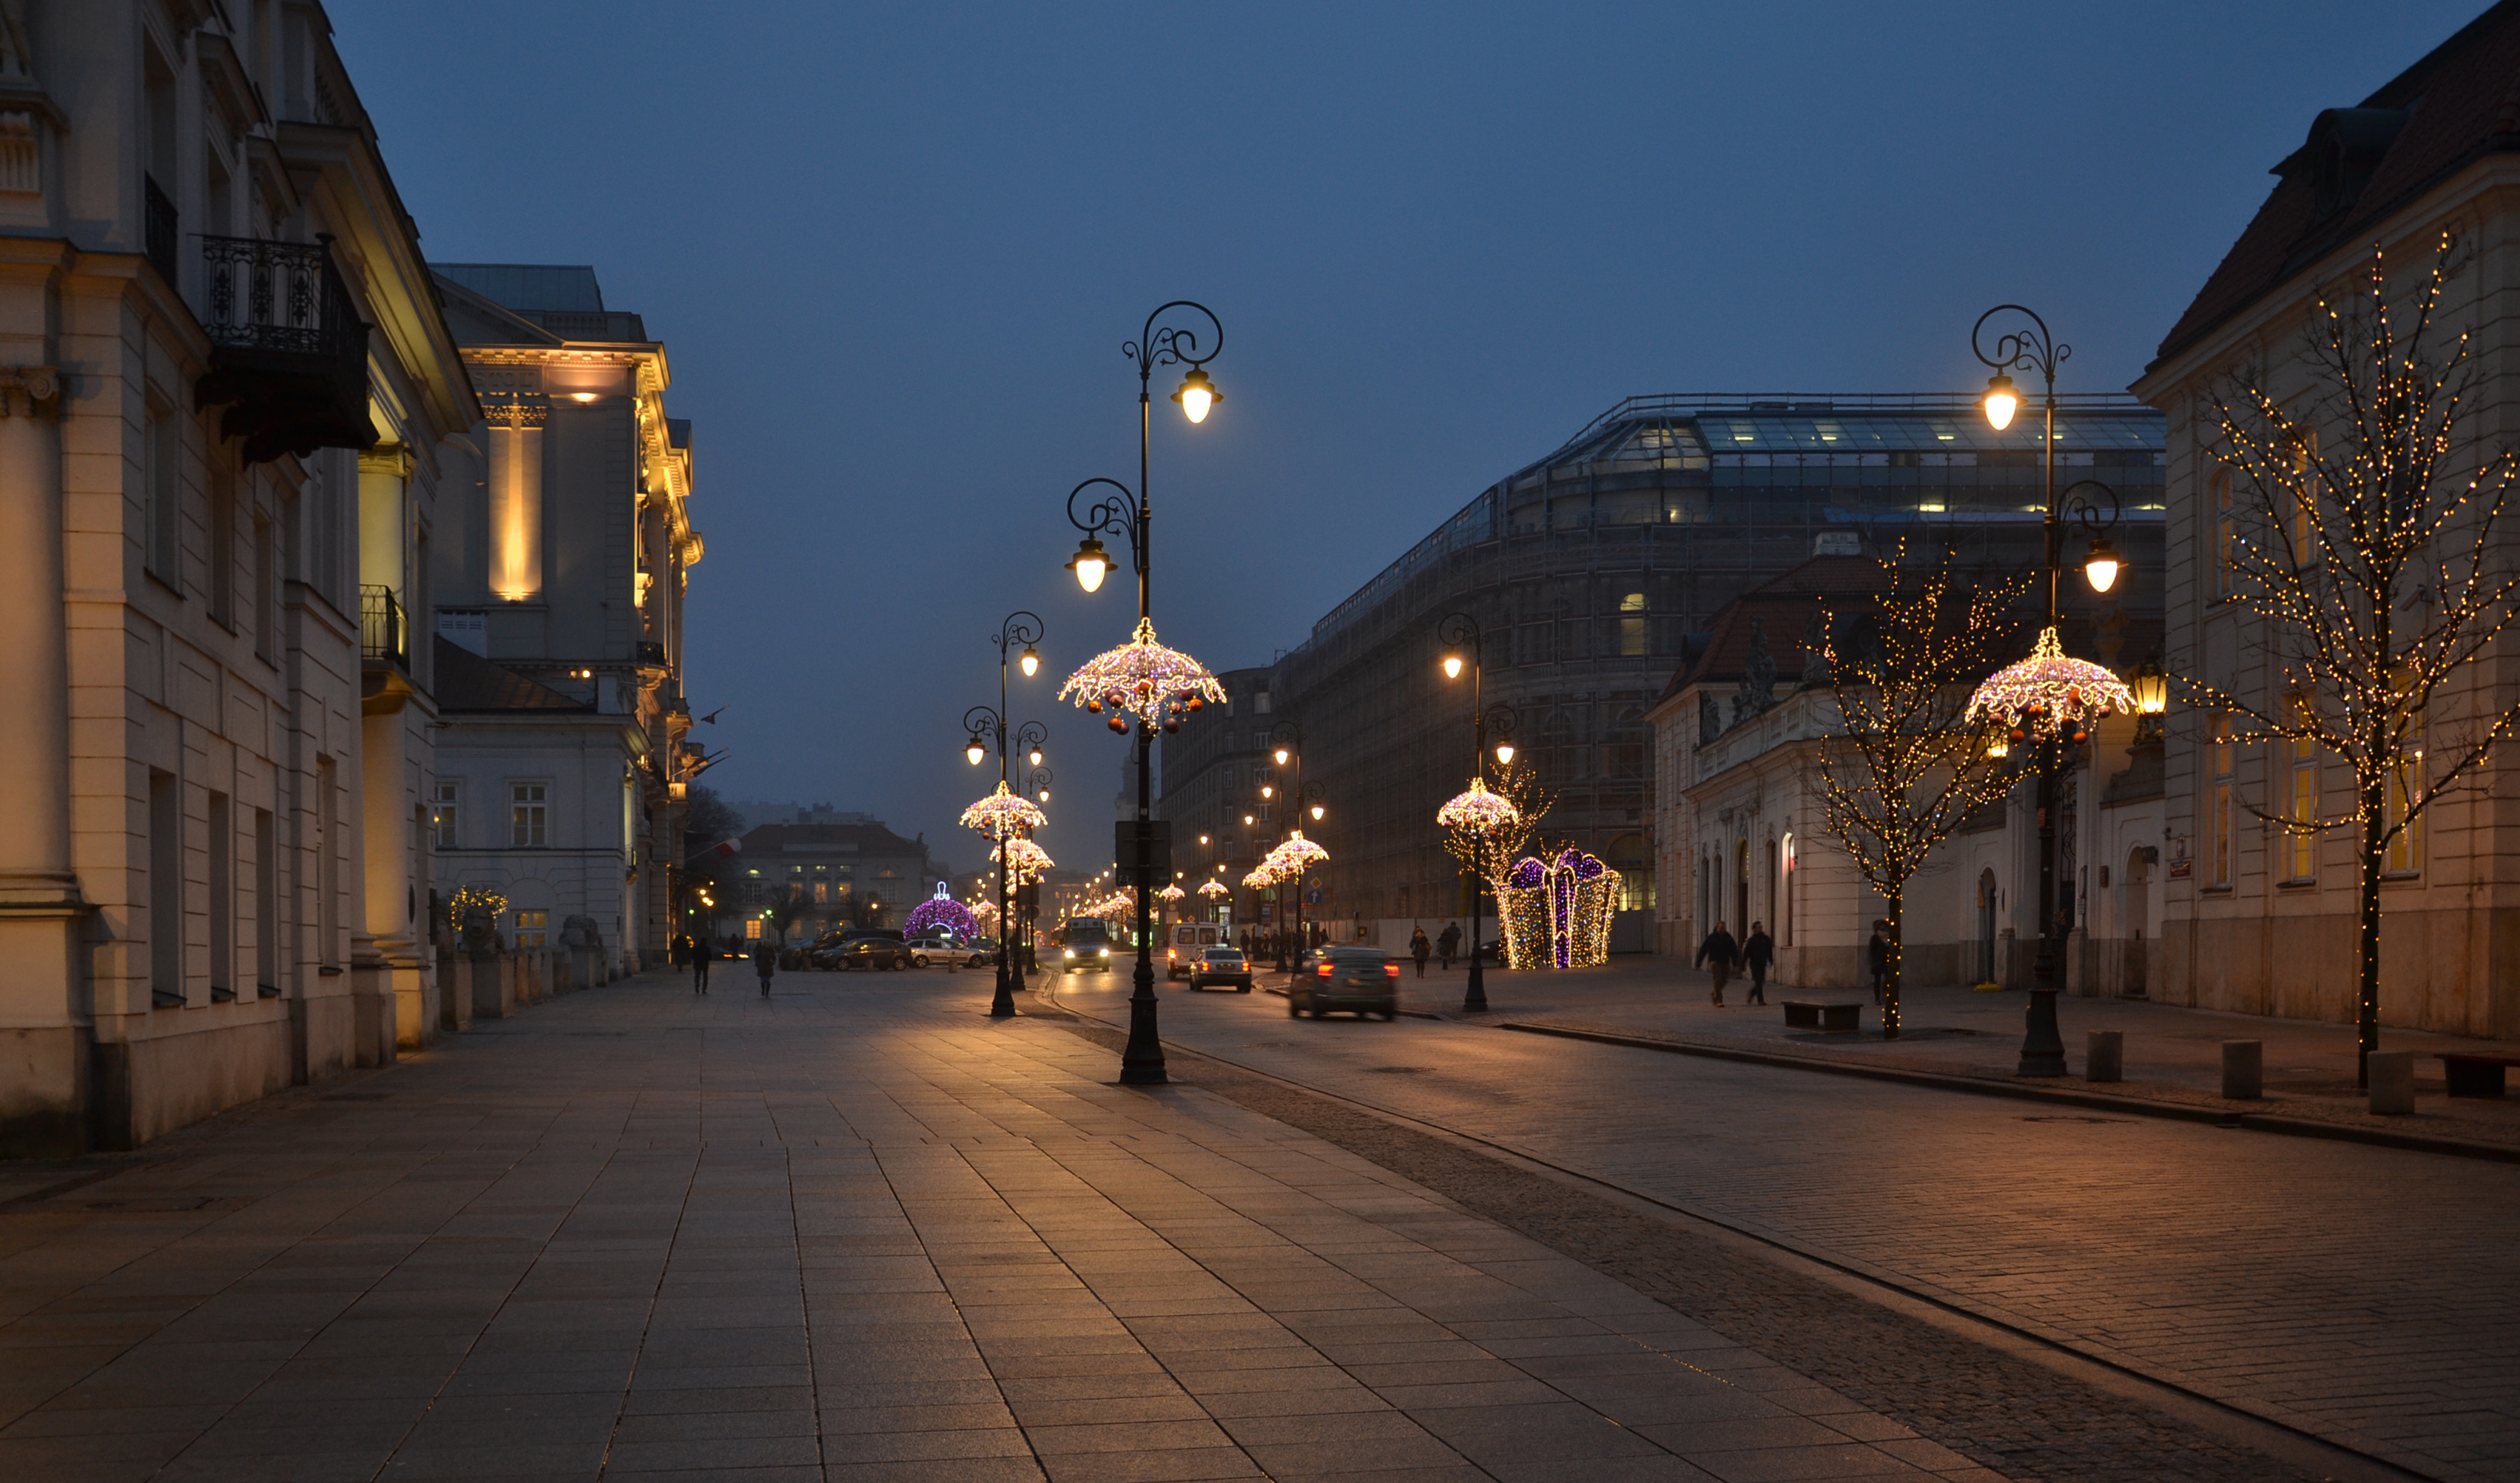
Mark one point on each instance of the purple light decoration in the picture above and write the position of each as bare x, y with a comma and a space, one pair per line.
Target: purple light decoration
944, 912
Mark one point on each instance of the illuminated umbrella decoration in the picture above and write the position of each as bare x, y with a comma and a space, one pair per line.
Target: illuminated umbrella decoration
1478, 810
1143, 678
1260, 877
1002, 814
1171, 894
1215, 889
2048, 695
1027, 859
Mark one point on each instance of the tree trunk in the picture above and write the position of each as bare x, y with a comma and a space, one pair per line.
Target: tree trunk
2374, 854
1897, 912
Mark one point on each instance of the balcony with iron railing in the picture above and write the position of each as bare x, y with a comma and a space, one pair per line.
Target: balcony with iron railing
383, 633
288, 356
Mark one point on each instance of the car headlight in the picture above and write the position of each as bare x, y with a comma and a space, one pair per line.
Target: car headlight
1105, 952
1071, 952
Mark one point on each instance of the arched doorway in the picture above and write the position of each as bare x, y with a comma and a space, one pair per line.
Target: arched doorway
1986, 928
1740, 888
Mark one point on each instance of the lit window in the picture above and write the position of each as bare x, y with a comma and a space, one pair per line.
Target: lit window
2303, 809
445, 810
2219, 810
529, 815
531, 926
1631, 625
2404, 854
2227, 549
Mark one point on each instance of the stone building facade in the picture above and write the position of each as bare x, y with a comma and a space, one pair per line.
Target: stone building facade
2251, 922
228, 399
562, 568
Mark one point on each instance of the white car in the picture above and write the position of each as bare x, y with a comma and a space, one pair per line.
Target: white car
945, 950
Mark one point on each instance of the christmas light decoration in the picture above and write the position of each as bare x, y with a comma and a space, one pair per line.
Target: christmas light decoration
1297, 853
1556, 912
1478, 810
1171, 894
941, 911
1145, 679
1002, 814
2048, 695
1215, 889
1260, 877
1027, 859
472, 898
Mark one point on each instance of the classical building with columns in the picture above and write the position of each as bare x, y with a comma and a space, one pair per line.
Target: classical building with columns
228, 393
562, 555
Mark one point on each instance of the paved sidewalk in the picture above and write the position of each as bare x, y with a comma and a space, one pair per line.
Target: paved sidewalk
2172, 1053
847, 1233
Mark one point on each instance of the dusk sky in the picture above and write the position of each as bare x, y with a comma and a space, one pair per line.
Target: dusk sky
893, 251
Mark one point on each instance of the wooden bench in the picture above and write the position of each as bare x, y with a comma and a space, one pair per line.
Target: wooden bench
1835, 1018
2469, 1074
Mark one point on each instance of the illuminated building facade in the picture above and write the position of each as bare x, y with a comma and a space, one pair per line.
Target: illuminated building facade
2258, 919
561, 565
1589, 569
226, 391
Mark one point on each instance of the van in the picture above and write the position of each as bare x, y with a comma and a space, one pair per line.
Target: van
1085, 945
1190, 939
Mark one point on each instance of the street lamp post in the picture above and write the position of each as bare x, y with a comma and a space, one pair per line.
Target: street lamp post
1460, 632
2034, 349
990, 726
1127, 515
1036, 784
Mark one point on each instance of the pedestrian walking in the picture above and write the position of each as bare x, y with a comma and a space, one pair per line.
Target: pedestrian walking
765, 962
1419, 948
702, 953
1758, 951
1717, 955
1878, 953
1448, 943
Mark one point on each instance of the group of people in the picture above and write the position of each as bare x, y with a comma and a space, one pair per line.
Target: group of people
1442, 947
1721, 956
765, 961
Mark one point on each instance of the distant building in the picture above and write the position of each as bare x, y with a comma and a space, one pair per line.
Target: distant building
1212, 771
817, 876
754, 812
1588, 570
558, 610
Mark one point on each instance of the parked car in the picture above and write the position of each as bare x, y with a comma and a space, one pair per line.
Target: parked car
1221, 965
943, 948
1362, 980
1084, 945
867, 947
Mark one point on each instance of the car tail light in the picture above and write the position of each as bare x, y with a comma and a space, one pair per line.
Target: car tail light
1326, 970
1391, 971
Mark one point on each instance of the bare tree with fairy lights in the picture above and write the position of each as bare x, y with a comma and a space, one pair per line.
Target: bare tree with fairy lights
2359, 522
1905, 768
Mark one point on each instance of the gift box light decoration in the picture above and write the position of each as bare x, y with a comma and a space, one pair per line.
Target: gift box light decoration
1556, 912
1002, 814
2048, 695
1143, 678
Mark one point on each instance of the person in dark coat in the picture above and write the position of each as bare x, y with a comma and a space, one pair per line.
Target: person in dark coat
1419, 948
1449, 942
765, 962
1878, 954
700, 956
1758, 951
1717, 955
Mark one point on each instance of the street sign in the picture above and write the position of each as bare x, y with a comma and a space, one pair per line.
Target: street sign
1159, 836
1312, 898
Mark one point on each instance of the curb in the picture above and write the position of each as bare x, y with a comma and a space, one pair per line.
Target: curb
2262, 1122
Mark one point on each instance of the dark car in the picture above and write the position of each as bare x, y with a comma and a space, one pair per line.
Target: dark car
1225, 966
867, 950
1083, 946
1362, 980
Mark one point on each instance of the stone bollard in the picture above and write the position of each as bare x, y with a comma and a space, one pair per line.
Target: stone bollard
2244, 1069
2393, 1082
2104, 1056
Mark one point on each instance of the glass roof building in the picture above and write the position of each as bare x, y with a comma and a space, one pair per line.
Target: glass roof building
1590, 569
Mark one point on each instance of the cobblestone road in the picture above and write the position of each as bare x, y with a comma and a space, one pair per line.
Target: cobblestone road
855, 1232
2364, 1295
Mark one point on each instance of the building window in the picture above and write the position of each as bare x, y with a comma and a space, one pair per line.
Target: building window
445, 809
529, 815
2405, 853
166, 889
2302, 811
1631, 625
2305, 537
2218, 818
531, 928
2226, 531
161, 453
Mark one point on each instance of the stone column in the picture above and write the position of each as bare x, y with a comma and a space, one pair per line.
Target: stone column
44, 1027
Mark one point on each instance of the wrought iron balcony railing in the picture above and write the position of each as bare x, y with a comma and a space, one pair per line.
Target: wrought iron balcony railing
383, 633
289, 356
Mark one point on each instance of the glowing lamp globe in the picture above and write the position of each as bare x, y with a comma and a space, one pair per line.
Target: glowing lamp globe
1197, 395
1452, 666
2102, 568
2003, 399
1090, 564
1031, 662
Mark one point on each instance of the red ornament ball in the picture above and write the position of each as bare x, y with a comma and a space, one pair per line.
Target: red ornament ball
1119, 725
